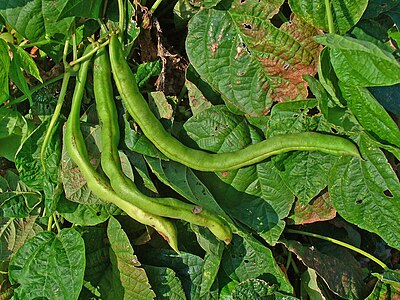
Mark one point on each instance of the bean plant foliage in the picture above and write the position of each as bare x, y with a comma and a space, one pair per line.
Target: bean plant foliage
219, 76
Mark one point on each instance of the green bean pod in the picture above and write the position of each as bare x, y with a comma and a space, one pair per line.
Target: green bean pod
76, 149
201, 160
124, 186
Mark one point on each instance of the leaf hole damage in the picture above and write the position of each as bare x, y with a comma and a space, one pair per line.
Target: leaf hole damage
359, 201
242, 1
247, 26
388, 193
98, 213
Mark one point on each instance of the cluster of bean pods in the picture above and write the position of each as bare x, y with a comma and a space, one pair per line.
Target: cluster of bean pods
119, 189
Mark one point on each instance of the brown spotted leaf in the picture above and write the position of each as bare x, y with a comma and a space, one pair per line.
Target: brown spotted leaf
319, 209
246, 58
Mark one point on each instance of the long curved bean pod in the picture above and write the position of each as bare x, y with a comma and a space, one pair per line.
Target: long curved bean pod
201, 160
76, 148
124, 186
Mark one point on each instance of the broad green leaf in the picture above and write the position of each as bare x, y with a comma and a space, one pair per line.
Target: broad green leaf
165, 283
360, 63
98, 266
187, 183
18, 204
305, 173
9, 146
75, 186
367, 192
327, 77
14, 233
371, 115
81, 8
125, 265
252, 63
292, 117
17, 76
183, 12
11, 122
205, 3
383, 291
25, 61
187, 267
345, 13
212, 259
35, 19
253, 289
256, 195
320, 209
4, 70
49, 266
391, 277
147, 70
30, 166
343, 276
86, 214
246, 258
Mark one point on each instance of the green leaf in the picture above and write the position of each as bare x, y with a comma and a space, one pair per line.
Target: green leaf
306, 173
18, 204
81, 8
25, 61
383, 291
187, 266
346, 279
11, 122
75, 186
147, 70
4, 69
187, 183
35, 19
86, 214
17, 76
253, 289
212, 259
243, 56
367, 192
360, 63
246, 258
256, 195
371, 115
30, 168
165, 283
345, 13
49, 266
125, 265
14, 233
391, 277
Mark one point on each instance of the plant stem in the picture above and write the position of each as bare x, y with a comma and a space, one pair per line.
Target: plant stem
89, 54
56, 222
289, 259
50, 223
155, 6
55, 116
121, 21
34, 90
329, 15
343, 244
